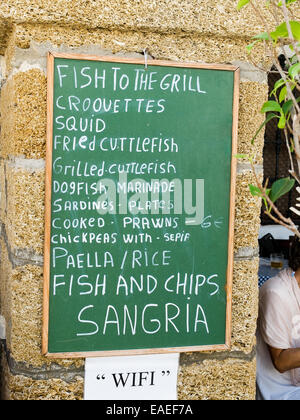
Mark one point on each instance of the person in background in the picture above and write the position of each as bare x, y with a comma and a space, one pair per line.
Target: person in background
278, 333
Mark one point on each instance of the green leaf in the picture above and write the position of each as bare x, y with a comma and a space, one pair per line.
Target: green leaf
295, 27
263, 36
271, 106
241, 156
294, 70
283, 94
255, 191
250, 46
282, 122
288, 2
294, 58
280, 188
242, 3
287, 106
270, 117
282, 31
277, 85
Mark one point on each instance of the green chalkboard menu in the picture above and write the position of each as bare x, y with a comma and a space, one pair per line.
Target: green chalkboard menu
140, 184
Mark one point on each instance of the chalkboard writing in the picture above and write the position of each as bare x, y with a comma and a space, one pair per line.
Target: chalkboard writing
140, 181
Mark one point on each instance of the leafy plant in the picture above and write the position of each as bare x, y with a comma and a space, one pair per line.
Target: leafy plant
284, 106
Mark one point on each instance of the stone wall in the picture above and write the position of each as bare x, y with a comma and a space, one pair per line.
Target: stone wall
171, 30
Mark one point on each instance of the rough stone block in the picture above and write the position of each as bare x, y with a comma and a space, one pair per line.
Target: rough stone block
5, 273
25, 208
24, 337
29, 39
2, 191
244, 305
247, 213
228, 379
166, 16
160, 16
21, 387
252, 97
24, 332
23, 115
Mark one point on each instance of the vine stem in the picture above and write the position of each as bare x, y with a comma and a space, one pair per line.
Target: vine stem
286, 222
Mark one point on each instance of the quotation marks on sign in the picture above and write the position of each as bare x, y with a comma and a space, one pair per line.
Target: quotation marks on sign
165, 372
133, 379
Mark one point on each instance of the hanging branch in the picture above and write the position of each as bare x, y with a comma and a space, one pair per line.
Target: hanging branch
285, 37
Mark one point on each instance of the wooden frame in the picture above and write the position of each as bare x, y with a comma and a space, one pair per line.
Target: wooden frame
50, 76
